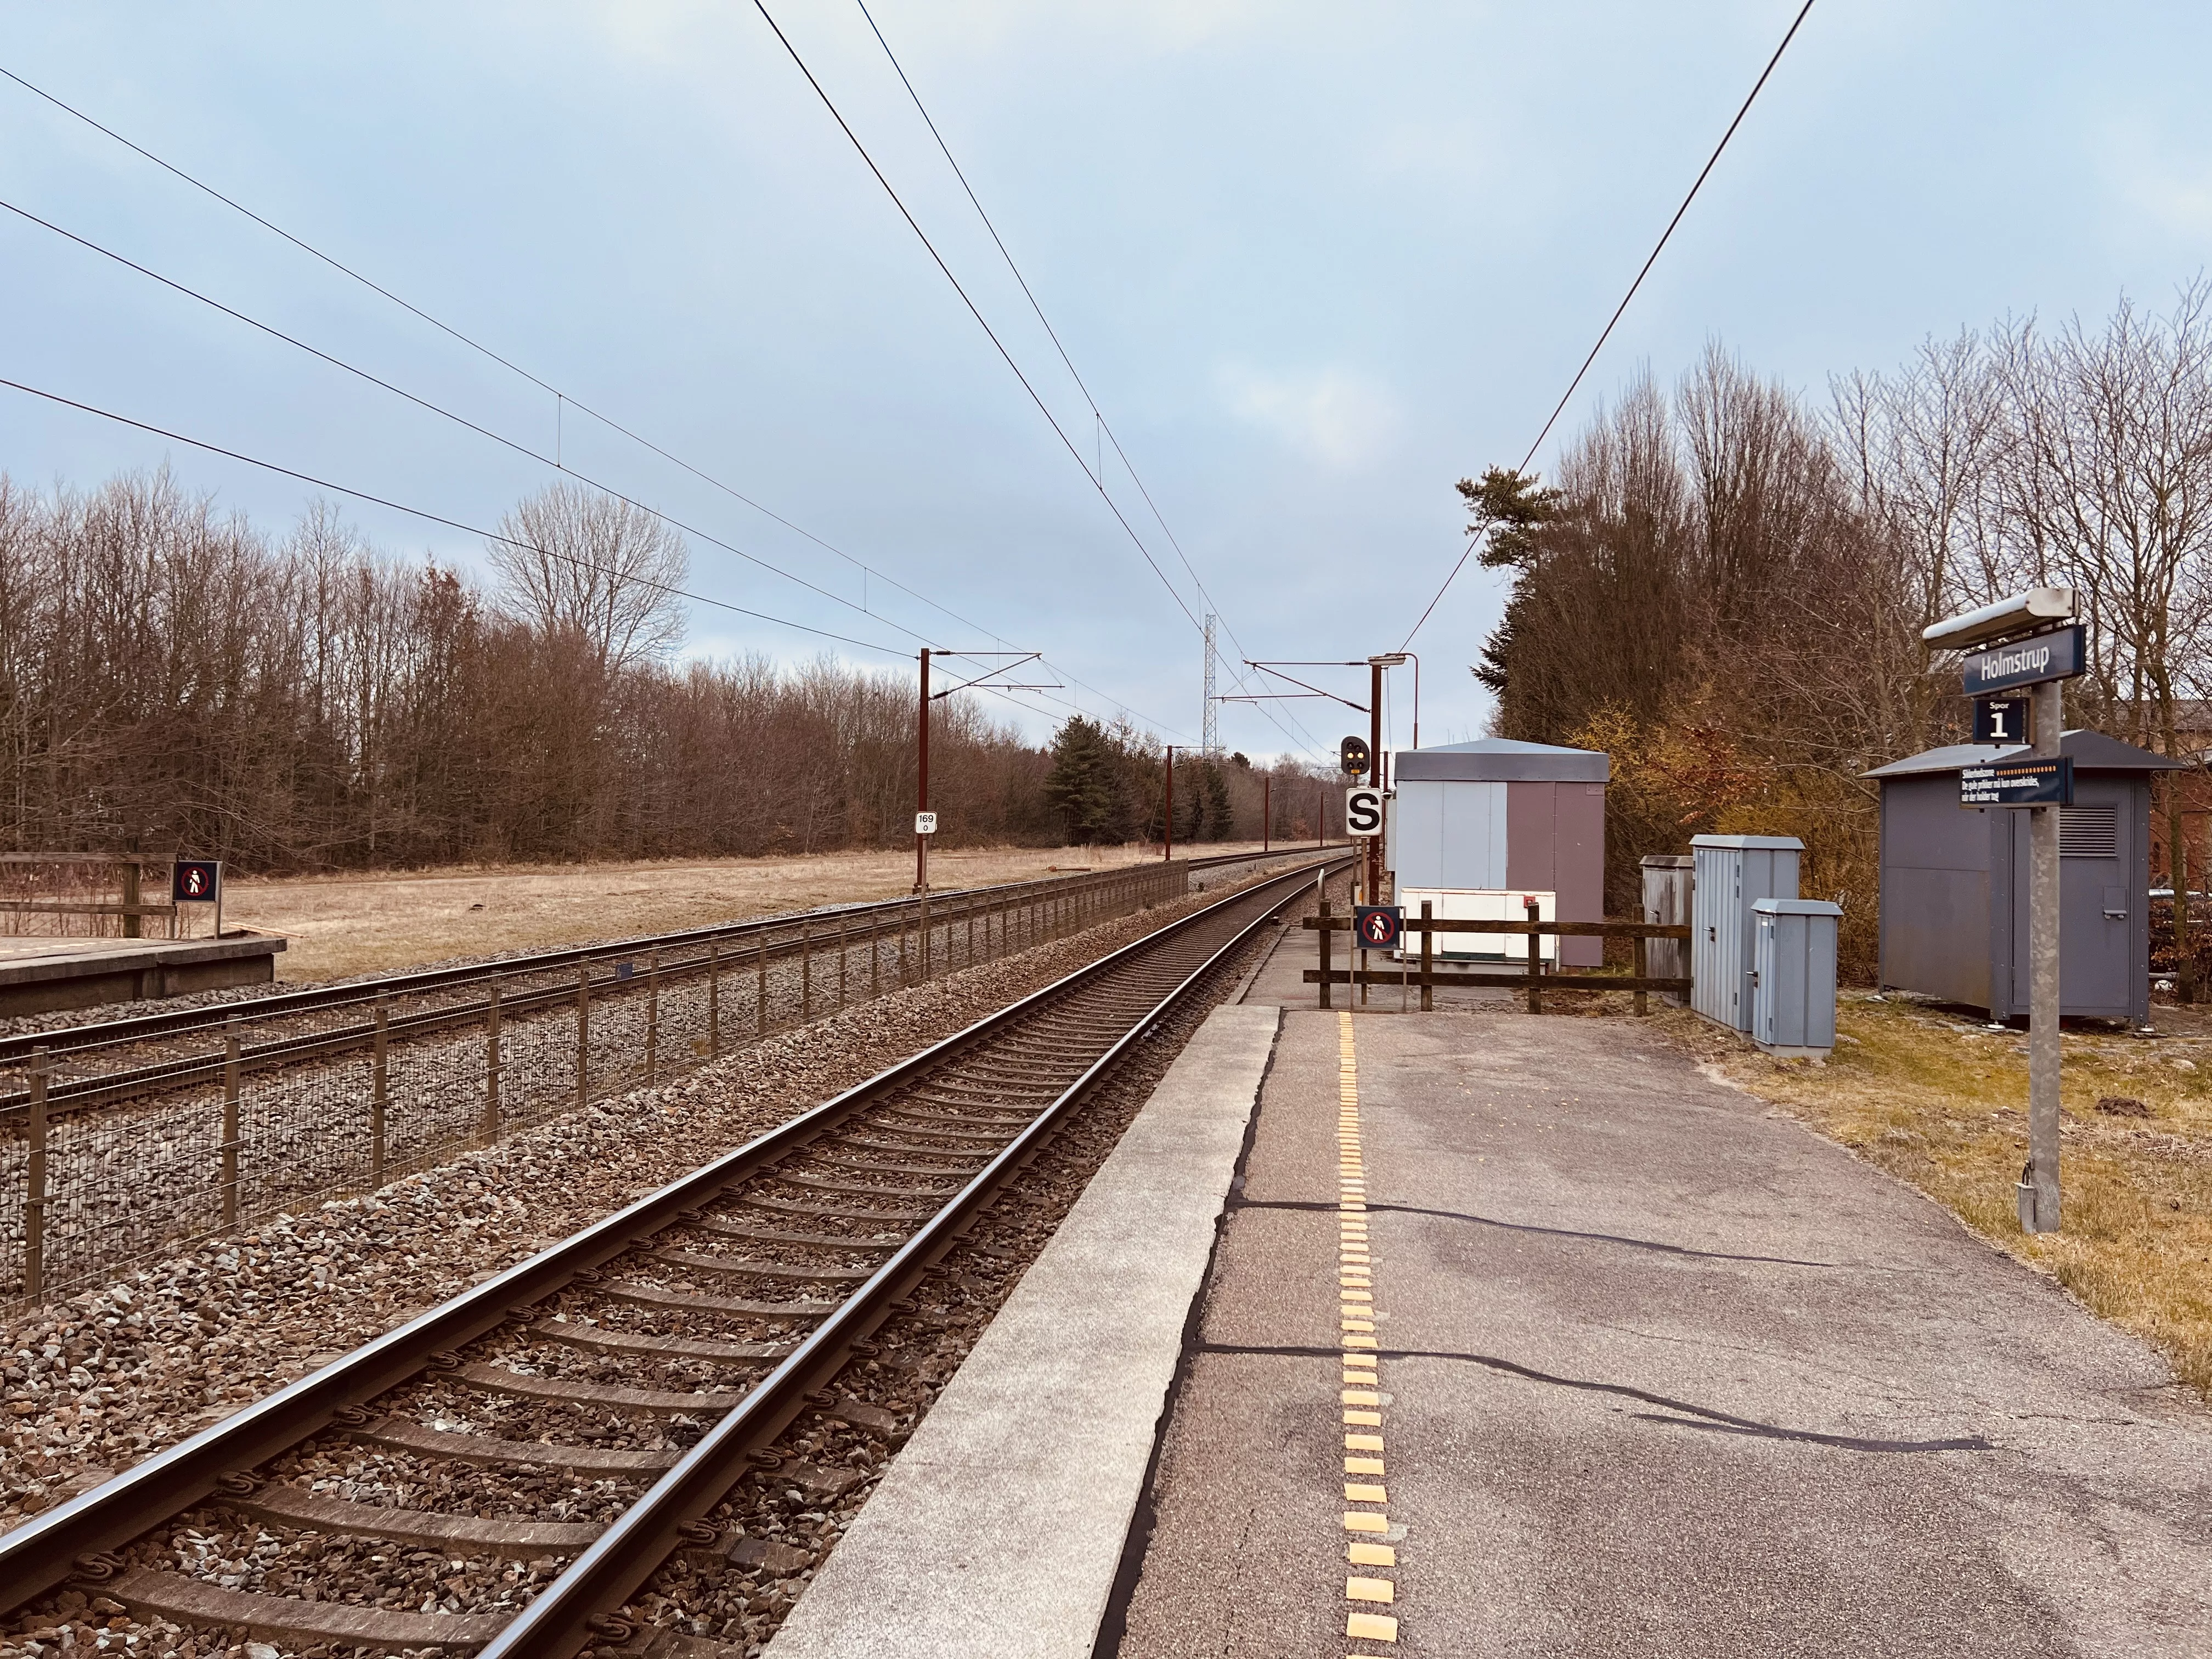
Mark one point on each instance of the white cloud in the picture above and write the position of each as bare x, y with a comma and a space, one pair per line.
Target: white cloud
1332, 416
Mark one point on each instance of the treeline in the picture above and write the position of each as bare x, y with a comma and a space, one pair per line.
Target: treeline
1111, 784
173, 679
1724, 586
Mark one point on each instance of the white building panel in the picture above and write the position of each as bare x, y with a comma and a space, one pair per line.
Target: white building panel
1449, 834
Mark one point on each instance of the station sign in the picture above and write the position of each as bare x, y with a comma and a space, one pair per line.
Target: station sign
2060, 654
1363, 811
1379, 927
2003, 720
2046, 782
1354, 757
195, 881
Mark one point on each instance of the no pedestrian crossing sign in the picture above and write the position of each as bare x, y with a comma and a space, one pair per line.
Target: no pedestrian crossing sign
1380, 926
195, 881
1362, 811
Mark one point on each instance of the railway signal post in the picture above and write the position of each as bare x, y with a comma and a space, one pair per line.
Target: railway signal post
1363, 820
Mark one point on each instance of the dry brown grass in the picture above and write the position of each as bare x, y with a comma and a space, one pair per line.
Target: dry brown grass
337, 926
1941, 1104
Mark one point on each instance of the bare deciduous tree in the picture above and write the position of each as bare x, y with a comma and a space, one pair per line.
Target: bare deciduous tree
579, 559
1811, 553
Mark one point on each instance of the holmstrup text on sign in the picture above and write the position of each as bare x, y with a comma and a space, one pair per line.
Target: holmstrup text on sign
2000, 663
2058, 655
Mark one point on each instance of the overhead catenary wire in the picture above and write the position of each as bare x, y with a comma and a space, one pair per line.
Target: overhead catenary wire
564, 400
1606, 333
1104, 425
974, 311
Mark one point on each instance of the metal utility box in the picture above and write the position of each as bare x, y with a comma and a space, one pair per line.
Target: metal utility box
1793, 1001
1666, 882
1478, 829
1954, 882
1732, 873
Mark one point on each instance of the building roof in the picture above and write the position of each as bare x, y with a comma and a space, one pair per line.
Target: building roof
2090, 751
1489, 760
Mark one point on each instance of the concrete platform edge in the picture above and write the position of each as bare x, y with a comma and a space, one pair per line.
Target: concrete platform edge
1000, 1528
132, 970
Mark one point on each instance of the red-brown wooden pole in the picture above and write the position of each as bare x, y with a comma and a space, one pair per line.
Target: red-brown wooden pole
921, 797
1167, 819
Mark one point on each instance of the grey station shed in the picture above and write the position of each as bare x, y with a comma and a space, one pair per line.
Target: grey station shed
1478, 829
1954, 882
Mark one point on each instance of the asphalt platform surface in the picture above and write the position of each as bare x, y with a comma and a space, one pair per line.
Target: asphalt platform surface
1659, 1372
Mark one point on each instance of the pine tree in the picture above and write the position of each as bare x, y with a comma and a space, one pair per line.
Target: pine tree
1084, 784
1220, 822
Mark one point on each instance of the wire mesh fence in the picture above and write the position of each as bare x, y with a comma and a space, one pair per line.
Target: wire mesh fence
115, 1151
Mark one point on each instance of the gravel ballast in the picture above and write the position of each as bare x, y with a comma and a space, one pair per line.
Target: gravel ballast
91, 1386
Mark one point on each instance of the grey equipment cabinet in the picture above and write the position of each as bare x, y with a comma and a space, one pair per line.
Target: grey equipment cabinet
1733, 873
1793, 1002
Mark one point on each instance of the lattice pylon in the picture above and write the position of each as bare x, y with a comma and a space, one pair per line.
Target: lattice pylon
1210, 728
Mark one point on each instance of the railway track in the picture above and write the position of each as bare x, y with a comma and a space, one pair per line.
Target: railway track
297, 1038
588, 1411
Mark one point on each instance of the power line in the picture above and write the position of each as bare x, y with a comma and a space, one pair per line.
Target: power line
455, 523
434, 518
1036, 306
1607, 333
439, 409
563, 397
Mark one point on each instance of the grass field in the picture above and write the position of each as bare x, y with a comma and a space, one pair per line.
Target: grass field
1941, 1104
337, 926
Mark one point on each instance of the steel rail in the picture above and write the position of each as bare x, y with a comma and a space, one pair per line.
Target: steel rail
16, 1048
561, 1619
82, 1094
107, 1088
138, 1027
68, 1542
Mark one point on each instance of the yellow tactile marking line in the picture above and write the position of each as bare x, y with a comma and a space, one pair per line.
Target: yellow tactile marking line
1362, 1394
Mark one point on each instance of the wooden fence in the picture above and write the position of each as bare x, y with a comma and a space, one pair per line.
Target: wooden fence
1535, 978
129, 906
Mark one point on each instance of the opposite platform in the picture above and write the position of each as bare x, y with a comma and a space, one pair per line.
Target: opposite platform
40, 975
1000, 1527
1527, 1339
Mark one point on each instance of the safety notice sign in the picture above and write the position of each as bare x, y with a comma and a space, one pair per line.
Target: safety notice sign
2018, 783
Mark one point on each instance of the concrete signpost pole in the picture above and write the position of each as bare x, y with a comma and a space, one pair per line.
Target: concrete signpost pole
2028, 641
2039, 1196
1374, 666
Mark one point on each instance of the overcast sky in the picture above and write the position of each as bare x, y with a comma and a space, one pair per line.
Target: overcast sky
1315, 262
